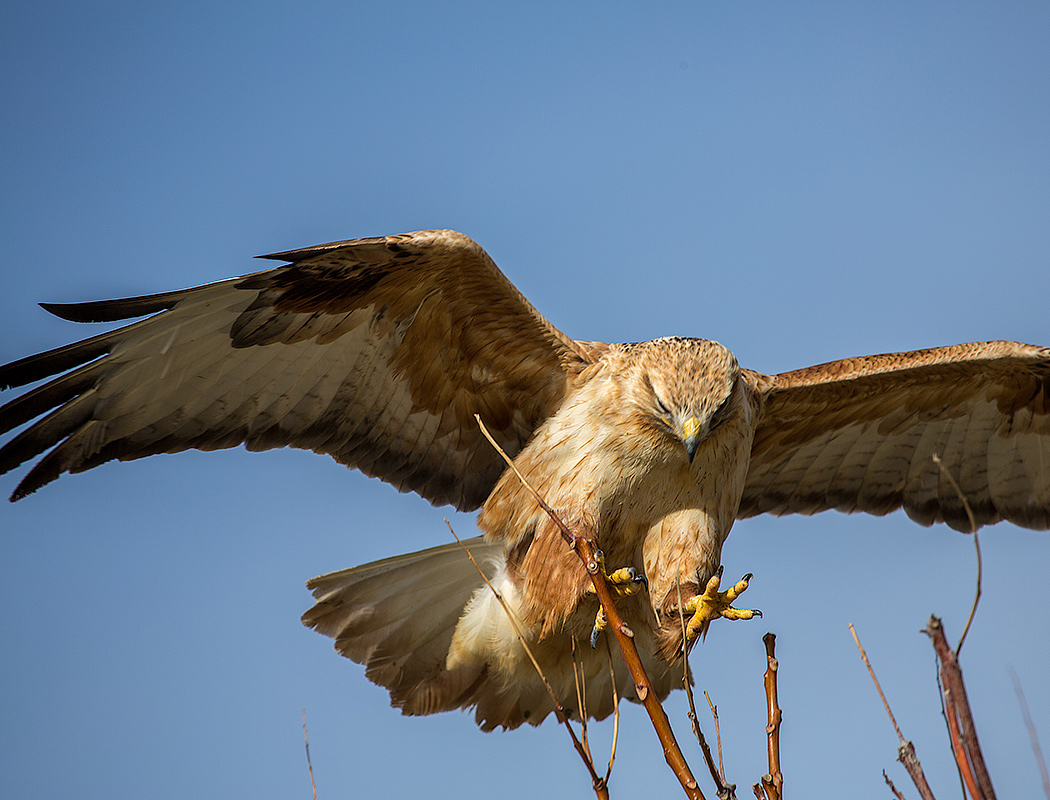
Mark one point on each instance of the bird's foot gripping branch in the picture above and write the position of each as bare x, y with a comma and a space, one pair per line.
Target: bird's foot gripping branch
624, 582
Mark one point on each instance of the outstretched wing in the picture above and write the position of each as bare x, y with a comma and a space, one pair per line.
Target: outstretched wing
377, 352
860, 435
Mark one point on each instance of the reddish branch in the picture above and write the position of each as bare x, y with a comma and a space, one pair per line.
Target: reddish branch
961, 729
773, 781
587, 553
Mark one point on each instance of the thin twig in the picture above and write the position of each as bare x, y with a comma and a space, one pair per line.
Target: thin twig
976, 545
586, 551
960, 720
906, 750
718, 733
600, 788
309, 766
724, 790
1033, 737
878, 686
893, 788
581, 698
686, 682
773, 781
616, 711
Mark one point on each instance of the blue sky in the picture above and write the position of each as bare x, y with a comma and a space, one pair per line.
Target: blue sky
801, 183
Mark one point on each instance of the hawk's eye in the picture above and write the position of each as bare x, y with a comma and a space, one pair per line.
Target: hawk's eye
661, 405
718, 417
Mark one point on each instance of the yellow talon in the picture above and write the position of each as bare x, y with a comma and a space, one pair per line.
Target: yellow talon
623, 582
713, 604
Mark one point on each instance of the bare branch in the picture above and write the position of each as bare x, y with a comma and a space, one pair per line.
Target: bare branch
1033, 737
959, 749
962, 732
893, 788
906, 750
718, 733
616, 712
773, 781
599, 785
976, 545
581, 699
309, 766
724, 790
586, 551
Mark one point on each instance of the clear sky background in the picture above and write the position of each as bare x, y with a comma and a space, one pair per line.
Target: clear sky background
801, 183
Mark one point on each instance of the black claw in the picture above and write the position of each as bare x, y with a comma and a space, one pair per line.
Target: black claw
718, 572
637, 577
748, 577
756, 612
595, 633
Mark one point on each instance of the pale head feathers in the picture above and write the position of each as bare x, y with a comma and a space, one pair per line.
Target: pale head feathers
676, 386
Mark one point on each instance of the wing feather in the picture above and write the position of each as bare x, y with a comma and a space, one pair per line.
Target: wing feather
377, 352
860, 435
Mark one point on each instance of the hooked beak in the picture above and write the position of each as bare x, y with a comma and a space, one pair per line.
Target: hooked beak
691, 436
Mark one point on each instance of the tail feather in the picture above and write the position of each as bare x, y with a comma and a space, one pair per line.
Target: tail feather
398, 618
378, 612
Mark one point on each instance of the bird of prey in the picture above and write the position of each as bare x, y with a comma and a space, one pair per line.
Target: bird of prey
380, 352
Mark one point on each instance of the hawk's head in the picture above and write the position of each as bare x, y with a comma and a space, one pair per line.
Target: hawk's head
684, 389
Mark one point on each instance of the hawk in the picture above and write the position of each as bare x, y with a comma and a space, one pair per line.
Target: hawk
380, 352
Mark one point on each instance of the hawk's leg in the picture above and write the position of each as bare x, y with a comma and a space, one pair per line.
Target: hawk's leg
713, 604
623, 582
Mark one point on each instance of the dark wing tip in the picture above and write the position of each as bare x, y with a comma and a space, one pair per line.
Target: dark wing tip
114, 310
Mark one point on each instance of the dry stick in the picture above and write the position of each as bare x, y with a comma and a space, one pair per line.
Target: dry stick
773, 781
616, 712
718, 734
581, 700
906, 750
725, 791
308, 764
976, 544
1033, 737
599, 785
893, 788
586, 551
960, 721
